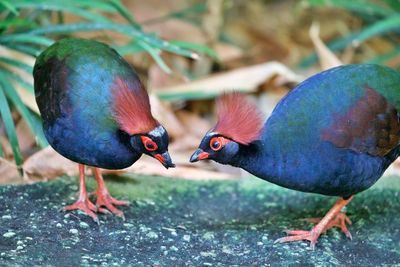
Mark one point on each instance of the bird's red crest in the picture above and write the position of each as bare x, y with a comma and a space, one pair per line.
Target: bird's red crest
238, 118
132, 107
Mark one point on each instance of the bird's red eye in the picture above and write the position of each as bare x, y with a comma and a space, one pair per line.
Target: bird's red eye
216, 143
149, 144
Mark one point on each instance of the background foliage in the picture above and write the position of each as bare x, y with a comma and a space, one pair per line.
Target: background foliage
189, 52
28, 26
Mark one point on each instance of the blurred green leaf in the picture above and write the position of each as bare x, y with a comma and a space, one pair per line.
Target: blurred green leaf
191, 95
203, 49
11, 75
16, 22
124, 29
12, 95
24, 48
9, 6
184, 96
155, 54
381, 27
381, 59
388, 25
16, 63
130, 48
25, 38
1, 151
103, 5
9, 125
125, 13
61, 6
98, 5
197, 8
28, 27
395, 4
38, 129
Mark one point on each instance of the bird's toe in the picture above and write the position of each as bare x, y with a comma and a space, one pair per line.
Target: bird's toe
86, 207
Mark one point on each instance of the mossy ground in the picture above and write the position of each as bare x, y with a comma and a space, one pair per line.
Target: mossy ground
173, 222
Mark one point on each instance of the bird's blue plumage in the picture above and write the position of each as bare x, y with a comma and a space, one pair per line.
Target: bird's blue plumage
294, 151
73, 86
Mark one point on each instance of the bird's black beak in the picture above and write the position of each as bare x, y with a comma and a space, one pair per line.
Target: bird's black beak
199, 154
165, 160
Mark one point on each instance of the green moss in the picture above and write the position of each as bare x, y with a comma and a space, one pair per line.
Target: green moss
134, 187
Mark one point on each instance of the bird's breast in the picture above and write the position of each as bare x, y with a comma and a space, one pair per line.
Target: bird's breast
323, 168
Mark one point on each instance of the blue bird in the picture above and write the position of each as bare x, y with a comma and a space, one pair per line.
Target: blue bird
96, 112
334, 134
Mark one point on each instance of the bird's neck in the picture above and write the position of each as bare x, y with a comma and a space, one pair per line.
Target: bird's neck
257, 160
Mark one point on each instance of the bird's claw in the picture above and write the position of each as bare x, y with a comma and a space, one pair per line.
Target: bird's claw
339, 220
105, 200
103, 210
86, 207
298, 235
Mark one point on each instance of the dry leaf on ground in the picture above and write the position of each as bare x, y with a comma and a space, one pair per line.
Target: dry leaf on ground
184, 143
194, 124
228, 52
26, 139
154, 168
242, 79
47, 164
9, 173
7, 150
166, 117
327, 58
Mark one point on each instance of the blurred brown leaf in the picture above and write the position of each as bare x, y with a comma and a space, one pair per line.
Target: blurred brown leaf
327, 58
184, 143
7, 150
152, 167
243, 79
9, 173
26, 139
166, 117
46, 165
189, 119
228, 52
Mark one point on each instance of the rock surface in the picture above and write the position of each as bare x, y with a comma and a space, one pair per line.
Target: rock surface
174, 222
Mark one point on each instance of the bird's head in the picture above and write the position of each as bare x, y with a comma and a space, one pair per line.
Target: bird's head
153, 144
133, 114
239, 124
217, 147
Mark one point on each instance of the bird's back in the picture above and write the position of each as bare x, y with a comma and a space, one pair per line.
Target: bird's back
336, 132
73, 83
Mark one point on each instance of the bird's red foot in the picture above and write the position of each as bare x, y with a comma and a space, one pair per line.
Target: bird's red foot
334, 218
83, 203
339, 221
86, 206
298, 235
104, 199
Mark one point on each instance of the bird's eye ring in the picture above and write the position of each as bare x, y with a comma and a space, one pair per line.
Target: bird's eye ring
216, 143
149, 144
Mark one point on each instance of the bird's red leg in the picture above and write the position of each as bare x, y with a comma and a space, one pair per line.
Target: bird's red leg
104, 199
83, 203
333, 218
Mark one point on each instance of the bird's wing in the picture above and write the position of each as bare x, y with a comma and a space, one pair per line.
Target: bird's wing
370, 126
353, 107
